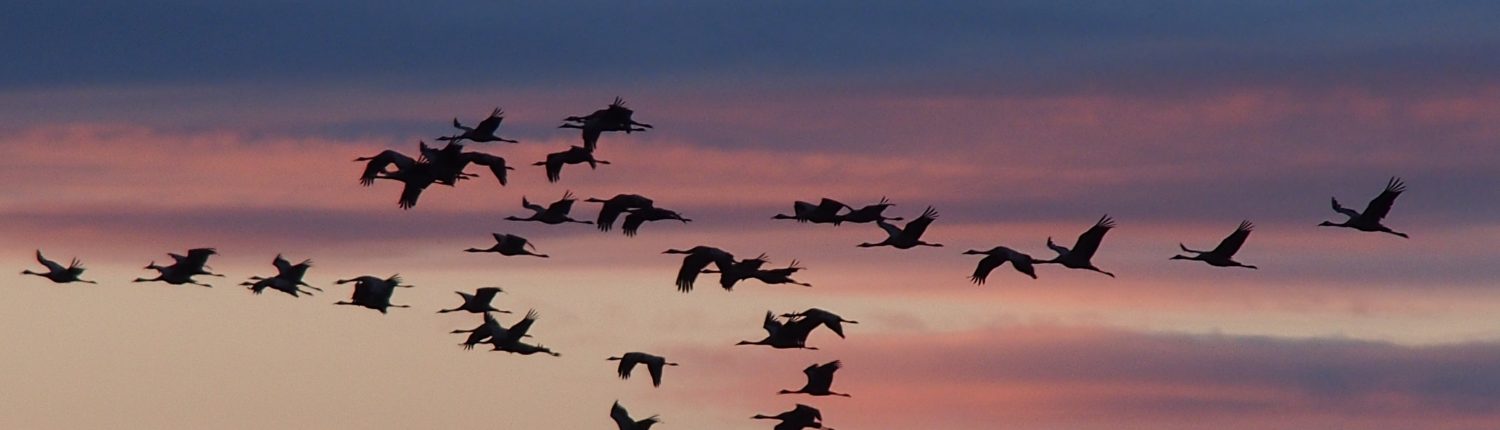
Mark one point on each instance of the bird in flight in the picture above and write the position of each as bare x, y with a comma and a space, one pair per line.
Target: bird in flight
635, 217
653, 363
479, 302
828, 319
870, 213
996, 257
616, 117
553, 214
1083, 250
612, 208
623, 420
1222, 255
373, 292
510, 339
799, 418
791, 334
825, 212
908, 237
288, 278
57, 273
484, 132
510, 245
183, 268
698, 258
819, 379
573, 155
1369, 220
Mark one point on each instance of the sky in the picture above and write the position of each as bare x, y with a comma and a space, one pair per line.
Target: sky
133, 130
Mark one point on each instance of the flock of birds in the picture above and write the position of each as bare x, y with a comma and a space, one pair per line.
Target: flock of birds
447, 165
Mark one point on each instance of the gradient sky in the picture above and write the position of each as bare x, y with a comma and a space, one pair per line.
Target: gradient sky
135, 130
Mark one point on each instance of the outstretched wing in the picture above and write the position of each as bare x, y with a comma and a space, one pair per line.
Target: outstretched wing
518, 331
555, 165
1231, 244
1381, 205
986, 265
621, 417
489, 125
692, 264
633, 223
916, 227
410, 193
1088, 242
377, 164
1343, 210
52, 266
495, 163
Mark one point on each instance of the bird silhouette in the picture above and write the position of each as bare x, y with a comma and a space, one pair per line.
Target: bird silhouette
870, 213
484, 332
653, 364
612, 208
741, 270
484, 132
616, 117
1379, 207
791, 334
183, 268
373, 292
288, 278
1222, 255
414, 175
574, 155
448, 163
57, 273
555, 213
510, 339
479, 302
623, 420
634, 218
908, 237
997, 257
698, 258
196, 261
828, 319
799, 418
509, 245
1083, 250
825, 212
819, 379
781, 276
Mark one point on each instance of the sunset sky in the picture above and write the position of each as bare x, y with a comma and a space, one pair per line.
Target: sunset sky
131, 131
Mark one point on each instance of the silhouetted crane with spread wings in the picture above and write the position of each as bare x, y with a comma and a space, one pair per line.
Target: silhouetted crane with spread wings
288, 278
1222, 255
698, 258
373, 292
623, 420
825, 212
653, 363
617, 205
574, 155
908, 237
479, 302
555, 213
510, 245
56, 272
997, 257
484, 132
1083, 250
799, 418
1369, 220
819, 380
